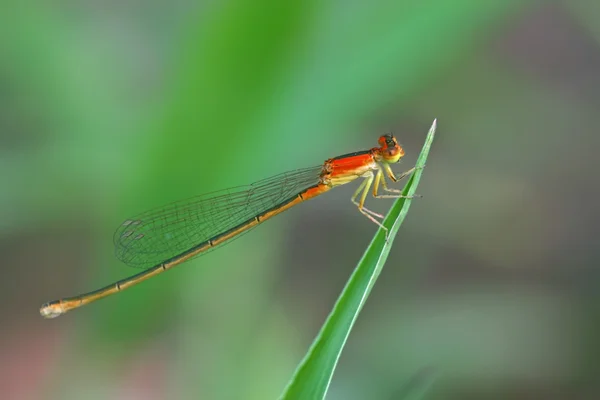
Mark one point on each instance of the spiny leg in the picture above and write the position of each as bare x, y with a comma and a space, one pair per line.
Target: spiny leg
365, 186
360, 189
393, 177
381, 179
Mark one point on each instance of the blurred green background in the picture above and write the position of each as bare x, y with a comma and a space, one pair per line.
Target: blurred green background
108, 109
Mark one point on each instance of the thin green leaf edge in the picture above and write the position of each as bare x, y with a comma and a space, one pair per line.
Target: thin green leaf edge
313, 375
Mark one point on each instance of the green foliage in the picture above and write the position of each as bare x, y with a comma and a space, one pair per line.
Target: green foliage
313, 376
123, 108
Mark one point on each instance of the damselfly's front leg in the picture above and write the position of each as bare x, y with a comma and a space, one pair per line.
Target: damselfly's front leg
380, 179
375, 181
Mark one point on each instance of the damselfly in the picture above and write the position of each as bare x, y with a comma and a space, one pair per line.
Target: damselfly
160, 239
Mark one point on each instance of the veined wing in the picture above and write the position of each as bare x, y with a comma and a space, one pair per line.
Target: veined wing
160, 234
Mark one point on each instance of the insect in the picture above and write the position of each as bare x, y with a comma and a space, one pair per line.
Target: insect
162, 238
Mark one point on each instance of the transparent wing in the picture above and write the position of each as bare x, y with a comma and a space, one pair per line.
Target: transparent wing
160, 234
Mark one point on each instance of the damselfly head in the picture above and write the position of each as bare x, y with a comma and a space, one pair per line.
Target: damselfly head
390, 150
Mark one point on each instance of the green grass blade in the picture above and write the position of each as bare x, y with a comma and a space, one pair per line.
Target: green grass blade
313, 376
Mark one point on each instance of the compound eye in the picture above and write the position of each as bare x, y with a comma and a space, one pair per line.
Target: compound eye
390, 141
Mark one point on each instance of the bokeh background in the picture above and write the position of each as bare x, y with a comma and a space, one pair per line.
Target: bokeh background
110, 108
